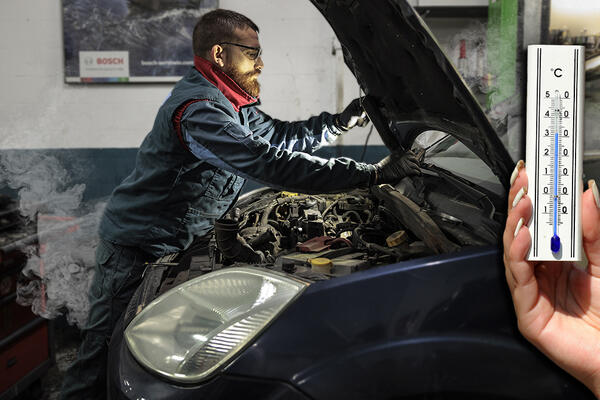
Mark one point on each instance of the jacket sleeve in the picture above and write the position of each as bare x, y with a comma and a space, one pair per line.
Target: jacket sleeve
306, 136
214, 136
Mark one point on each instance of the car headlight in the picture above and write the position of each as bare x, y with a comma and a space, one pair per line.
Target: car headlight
190, 331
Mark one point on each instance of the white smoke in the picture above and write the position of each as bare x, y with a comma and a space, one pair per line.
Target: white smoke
59, 269
41, 182
504, 114
60, 265
475, 70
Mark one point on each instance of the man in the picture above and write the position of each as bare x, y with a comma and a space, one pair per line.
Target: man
208, 137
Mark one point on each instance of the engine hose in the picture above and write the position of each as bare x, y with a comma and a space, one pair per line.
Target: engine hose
265, 216
233, 246
226, 233
357, 232
351, 212
330, 207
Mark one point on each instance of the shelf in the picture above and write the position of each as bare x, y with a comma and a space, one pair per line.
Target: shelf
21, 331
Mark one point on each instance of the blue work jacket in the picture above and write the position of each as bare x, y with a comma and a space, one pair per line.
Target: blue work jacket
208, 138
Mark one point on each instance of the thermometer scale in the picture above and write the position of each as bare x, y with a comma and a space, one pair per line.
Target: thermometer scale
554, 154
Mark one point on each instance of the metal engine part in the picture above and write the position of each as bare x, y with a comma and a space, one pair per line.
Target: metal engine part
290, 229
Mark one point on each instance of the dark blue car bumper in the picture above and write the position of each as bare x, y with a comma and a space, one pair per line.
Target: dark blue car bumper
441, 326
128, 380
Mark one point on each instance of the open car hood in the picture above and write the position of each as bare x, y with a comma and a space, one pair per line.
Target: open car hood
410, 84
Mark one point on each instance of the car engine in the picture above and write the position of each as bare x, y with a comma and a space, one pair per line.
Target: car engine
324, 236
328, 235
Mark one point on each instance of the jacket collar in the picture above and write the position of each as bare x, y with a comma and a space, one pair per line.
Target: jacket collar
237, 96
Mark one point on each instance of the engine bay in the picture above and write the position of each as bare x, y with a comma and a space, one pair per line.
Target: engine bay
338, 234
324, 236
328, 235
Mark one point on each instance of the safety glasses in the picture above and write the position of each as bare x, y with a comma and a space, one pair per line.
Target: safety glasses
253, 53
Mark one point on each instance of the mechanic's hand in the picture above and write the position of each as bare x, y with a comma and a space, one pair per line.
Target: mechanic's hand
396, 166
557, 305
353, 115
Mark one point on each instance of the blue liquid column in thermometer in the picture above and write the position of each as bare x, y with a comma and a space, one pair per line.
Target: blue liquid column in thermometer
555, 241
554, 150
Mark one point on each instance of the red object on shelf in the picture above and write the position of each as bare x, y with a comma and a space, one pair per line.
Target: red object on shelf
23, 356
13, 317
25, 350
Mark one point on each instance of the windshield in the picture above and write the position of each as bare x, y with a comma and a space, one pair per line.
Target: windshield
444, 151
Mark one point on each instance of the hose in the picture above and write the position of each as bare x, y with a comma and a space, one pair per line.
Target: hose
232, 245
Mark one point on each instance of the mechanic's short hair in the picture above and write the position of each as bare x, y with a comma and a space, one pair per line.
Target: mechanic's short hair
218, 26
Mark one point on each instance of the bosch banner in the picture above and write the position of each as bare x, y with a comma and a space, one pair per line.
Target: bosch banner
129, 40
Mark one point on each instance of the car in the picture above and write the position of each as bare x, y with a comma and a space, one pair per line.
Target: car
393, 292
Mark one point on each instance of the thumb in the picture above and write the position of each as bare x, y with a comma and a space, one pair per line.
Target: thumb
590, 211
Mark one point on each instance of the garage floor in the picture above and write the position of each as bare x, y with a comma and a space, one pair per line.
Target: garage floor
66, 344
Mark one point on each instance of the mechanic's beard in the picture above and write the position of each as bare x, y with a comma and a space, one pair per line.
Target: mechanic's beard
247, 81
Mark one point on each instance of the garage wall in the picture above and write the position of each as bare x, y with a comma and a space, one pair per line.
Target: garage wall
38, 110
94, 129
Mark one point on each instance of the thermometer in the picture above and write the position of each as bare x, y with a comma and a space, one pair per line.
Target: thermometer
554, 155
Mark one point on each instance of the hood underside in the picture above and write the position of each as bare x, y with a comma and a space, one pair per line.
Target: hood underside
410, 84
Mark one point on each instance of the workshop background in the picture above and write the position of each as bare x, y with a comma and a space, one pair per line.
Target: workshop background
65, 146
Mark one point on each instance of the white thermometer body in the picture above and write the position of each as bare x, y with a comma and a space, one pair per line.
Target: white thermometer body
554, 155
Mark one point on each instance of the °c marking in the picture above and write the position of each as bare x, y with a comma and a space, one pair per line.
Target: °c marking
557, 72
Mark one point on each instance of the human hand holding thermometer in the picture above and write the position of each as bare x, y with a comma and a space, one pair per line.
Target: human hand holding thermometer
554, 152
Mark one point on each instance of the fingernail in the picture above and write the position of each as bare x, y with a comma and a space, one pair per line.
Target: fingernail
515, 173
519, 195
592, 184
519, 225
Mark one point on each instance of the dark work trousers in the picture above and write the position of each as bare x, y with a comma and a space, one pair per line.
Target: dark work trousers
118, 273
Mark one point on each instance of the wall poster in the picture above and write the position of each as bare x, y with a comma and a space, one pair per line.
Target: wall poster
129, 40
